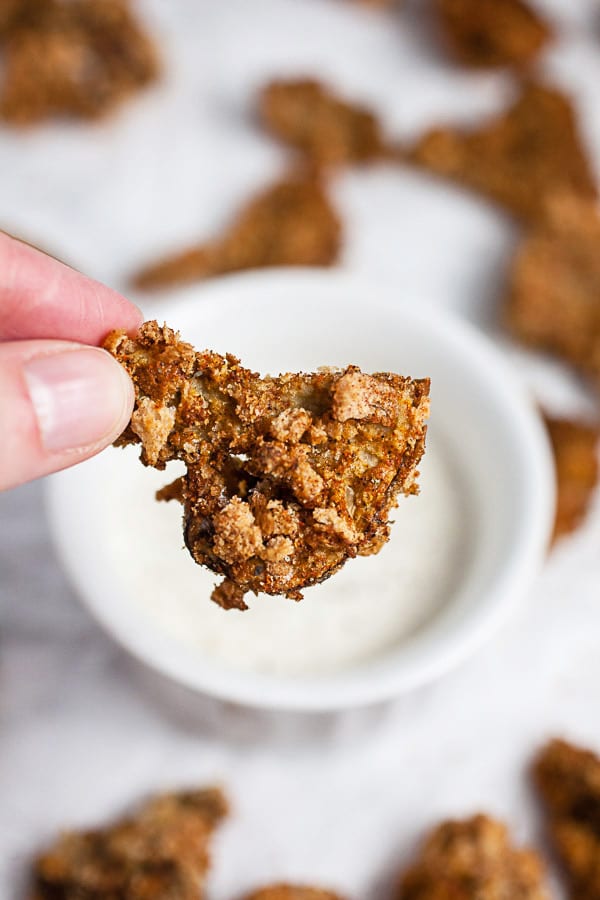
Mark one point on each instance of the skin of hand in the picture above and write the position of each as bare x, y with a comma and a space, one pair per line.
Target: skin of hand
62, 399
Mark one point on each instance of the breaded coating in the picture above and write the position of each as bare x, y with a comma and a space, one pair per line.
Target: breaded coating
312, 119
488, 33
161, 853
287, 477
554, 295
575, 446
77, 58
518, 159
291, 223
568, 781
9, 14
291, 892
473, 860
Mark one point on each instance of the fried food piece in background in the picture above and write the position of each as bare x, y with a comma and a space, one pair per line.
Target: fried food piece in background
291, 892
291, 223
9, 14
309, 117
554, 294
80, 58
568, 782
575, 447
520, 158
161, 852
287, 477
473, 860
488, 33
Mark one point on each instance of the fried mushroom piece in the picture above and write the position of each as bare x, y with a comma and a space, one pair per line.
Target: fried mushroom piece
287, 477
554, 294
488, 33
568, 781
161, 853
518, 159
575, 447
309, 117
76, 58
291, 892
473, 860
291, 223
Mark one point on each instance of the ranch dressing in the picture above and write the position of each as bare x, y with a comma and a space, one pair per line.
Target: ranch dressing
364, 610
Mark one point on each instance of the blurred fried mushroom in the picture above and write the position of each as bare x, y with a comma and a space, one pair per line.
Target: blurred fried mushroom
291, 223
518, 159
473, 859
488, 33
568, 782
311, 118
159, 853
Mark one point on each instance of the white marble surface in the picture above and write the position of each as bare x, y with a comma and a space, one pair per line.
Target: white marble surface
83, 730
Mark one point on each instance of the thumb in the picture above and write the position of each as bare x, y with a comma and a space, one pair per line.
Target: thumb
59, 404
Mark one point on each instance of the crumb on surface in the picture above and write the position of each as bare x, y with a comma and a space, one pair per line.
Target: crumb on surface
278, 492
518, 159
473, 859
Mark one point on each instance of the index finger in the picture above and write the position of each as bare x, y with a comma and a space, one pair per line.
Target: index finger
43, 298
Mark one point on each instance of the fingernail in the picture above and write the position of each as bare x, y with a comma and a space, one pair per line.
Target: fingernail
80, 397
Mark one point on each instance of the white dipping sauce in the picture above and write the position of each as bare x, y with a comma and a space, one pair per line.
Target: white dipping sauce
372, 604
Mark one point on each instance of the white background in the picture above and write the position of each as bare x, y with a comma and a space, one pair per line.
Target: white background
83, 732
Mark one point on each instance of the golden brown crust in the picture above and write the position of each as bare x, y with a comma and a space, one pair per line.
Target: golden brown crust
287, 477
575, 446
473, 860
79, 58
554, 295
518, 159
488, 33
568, 781
291, 223
161, 853
291, 892
312, 119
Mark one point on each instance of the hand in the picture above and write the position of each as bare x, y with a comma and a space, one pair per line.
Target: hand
62, 399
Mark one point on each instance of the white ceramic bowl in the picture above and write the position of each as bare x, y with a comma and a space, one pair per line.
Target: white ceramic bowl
290, 320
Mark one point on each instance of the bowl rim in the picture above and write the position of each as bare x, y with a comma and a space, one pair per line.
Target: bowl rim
355, 687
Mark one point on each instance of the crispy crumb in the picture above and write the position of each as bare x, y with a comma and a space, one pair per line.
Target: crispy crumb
153, 424
291, 424
340, 526
77, 58
312, 119
266, 504
518, 159
291, 892
237, 536
291, 223
554, 293
161, 853
488, 33
473, 860
568, 782
360, 396
575, 446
